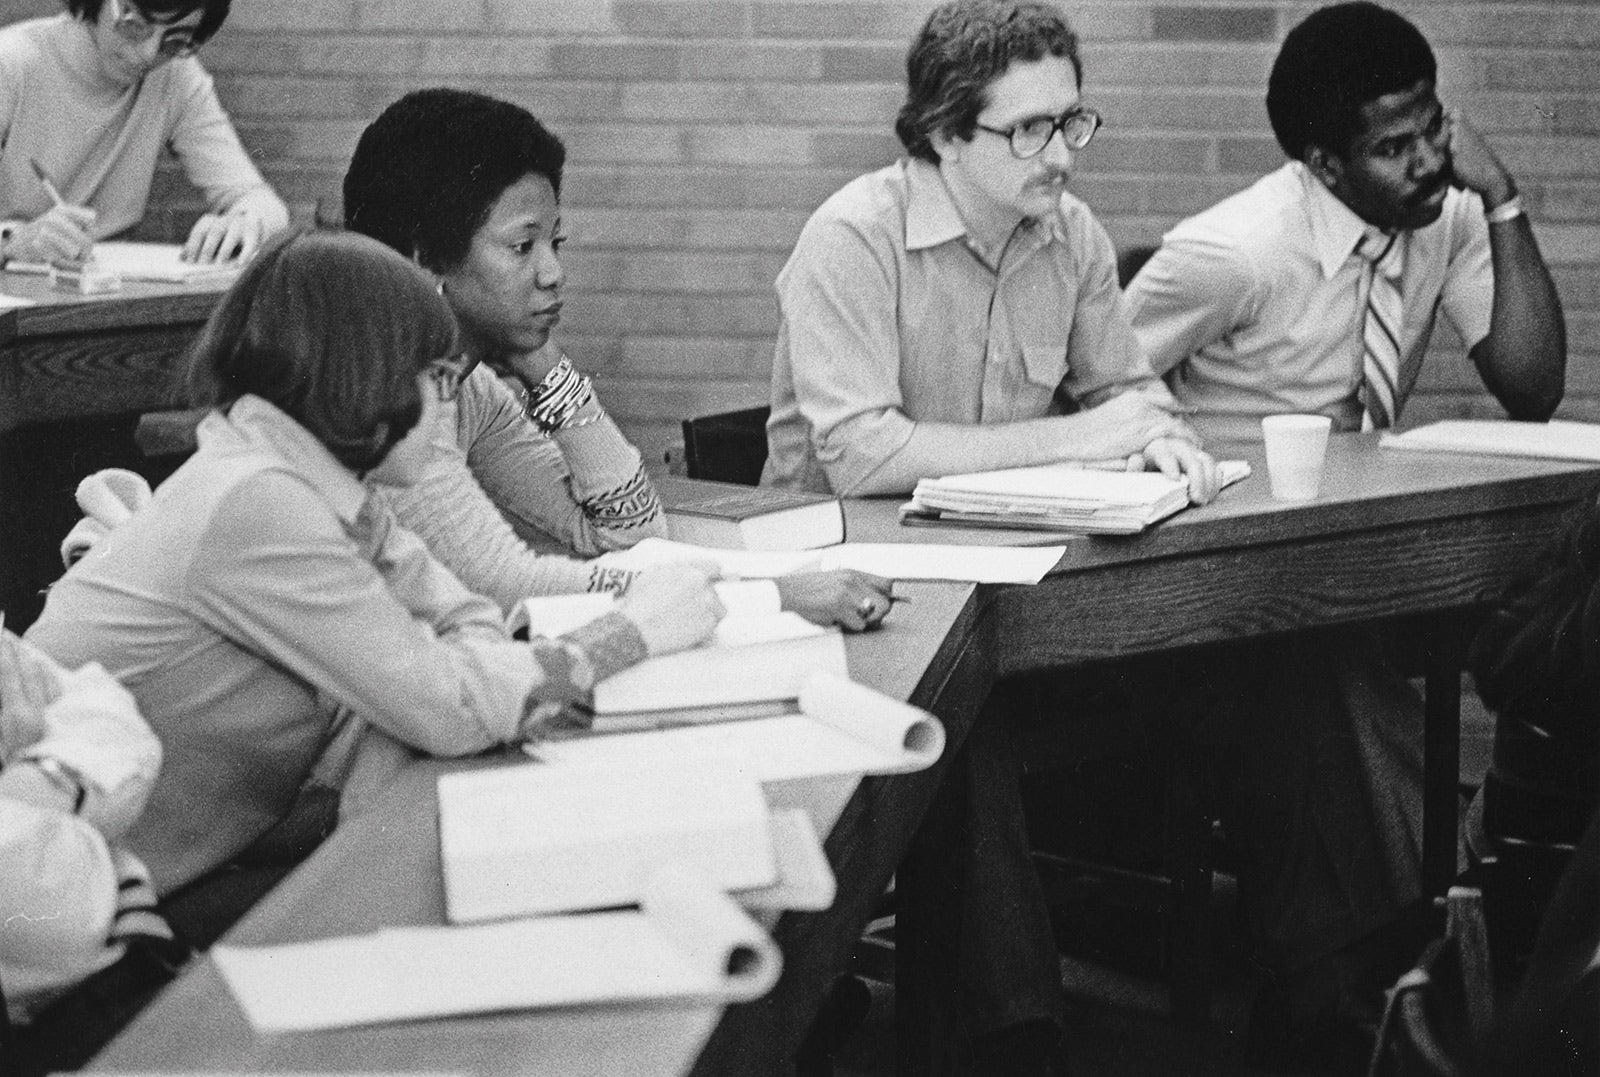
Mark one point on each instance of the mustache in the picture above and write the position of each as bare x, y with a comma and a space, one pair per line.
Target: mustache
1431, 188
1053, 177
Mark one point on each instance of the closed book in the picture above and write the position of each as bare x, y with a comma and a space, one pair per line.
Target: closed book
533, 839
749, 517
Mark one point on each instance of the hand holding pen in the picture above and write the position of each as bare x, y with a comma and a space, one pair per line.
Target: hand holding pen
63, 233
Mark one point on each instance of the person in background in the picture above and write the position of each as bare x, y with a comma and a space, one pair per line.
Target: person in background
88, 100
527, 461
959, 310
1317, 290
76, 764
264, 594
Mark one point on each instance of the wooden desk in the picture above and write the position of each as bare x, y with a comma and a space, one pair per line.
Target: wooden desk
383, 869
70, 355
1393, 534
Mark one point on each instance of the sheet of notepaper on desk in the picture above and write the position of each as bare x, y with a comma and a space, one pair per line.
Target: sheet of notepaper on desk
686, 940
1558, 439
891, 560
156, 262
12, 302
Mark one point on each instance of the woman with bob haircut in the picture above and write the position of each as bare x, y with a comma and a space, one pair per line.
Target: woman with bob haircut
468, 187
264, 594
91, 97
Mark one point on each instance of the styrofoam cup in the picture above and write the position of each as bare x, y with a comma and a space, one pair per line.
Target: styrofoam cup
1296, 446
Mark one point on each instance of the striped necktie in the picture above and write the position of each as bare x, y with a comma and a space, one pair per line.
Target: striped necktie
1380, 333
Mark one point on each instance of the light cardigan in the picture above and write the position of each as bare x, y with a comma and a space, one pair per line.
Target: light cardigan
99, 143
261, 592
499, 493
66, 893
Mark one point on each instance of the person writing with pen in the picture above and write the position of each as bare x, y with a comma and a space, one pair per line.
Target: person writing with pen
88, 99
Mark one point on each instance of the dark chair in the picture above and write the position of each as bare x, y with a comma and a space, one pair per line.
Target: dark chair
730, 446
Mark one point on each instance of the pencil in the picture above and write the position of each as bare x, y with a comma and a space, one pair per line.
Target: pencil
44, 181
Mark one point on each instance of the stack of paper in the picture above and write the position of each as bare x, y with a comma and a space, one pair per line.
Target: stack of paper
1056, 497
1557, 439
685, 940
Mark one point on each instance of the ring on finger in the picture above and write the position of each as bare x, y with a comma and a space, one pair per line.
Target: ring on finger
867, 608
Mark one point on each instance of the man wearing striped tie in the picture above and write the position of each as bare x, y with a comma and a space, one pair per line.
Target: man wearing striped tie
1317, 290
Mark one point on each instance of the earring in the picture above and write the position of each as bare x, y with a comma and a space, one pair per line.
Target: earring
439, 286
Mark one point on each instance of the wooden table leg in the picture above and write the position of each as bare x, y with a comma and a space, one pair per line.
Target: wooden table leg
1441, 758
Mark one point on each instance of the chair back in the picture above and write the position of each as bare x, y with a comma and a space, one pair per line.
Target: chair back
730, 446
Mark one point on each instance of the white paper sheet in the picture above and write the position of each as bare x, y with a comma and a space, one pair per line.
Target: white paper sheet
686, 941
892, 560
11, 302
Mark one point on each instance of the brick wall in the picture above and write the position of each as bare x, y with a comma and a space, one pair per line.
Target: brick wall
702, 133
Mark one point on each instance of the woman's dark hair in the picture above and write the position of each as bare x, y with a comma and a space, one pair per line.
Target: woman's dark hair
428, 170
161, 12
963, 47
1338, 59
331, 328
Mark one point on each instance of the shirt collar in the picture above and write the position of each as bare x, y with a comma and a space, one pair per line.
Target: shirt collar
260, 424
1335, 229
932, 218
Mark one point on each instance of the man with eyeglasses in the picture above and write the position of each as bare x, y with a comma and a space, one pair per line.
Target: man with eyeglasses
959, 310
88, 99
1317, 290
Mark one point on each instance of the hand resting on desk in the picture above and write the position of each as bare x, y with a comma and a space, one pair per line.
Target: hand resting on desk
673, 606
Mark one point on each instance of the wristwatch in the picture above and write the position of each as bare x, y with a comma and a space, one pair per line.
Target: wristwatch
62, 777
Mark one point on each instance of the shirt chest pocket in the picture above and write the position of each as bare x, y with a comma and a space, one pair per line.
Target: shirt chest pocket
1044, 363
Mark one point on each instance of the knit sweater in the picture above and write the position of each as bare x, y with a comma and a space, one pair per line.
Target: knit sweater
99, 142
500, 495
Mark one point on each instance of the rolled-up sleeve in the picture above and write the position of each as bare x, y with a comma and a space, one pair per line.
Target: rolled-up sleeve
1104, 357
1190, 293
837, 296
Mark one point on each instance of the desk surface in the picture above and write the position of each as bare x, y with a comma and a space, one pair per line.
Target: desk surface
69, 356
134, 304
383, 869
1434, 531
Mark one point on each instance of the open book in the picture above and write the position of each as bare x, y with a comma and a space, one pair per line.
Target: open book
891, 560
758, 655
838, 727
1557, 439
161, 262
686, 940
1056, 497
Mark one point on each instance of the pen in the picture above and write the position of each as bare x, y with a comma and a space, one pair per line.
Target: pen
44, 181
899, 598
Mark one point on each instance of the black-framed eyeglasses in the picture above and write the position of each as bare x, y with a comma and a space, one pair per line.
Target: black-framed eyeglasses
447, 374
136, 28
1030, 137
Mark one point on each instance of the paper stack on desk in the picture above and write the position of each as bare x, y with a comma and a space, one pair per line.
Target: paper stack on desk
891, 560
685, 940
1056, 497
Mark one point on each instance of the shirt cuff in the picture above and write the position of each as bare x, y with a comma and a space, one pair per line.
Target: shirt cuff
612, 643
